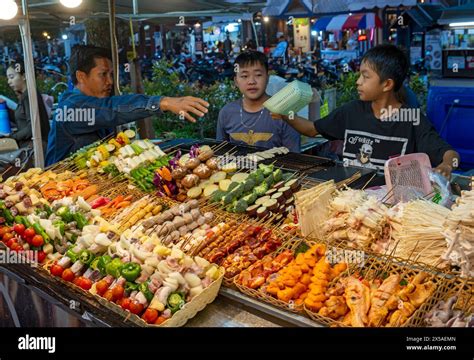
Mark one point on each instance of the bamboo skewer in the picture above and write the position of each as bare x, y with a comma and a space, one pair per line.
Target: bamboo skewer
219, 146
368, 182
349, 181
384, 199
173, 148
365, 272
467, 307
3, 173
388, 261
429, 195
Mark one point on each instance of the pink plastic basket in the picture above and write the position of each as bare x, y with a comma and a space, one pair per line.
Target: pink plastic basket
407, 177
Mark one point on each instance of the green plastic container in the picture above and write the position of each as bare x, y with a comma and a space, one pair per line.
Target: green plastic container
291, 99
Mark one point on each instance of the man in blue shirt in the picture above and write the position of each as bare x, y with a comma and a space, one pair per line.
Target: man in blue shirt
88, 112
246, 121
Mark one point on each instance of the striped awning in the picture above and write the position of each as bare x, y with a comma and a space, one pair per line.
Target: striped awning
362, 21
352, 22
336, 23
322, 23
347, 22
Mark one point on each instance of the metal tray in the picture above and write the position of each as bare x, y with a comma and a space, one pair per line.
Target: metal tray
301, 162
339, 173
290, 161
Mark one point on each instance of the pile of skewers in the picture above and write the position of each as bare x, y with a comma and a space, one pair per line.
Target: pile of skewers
459, 233
416, 231
446, 314
304, 280
355, 218
374, 301
311, 207
237, 246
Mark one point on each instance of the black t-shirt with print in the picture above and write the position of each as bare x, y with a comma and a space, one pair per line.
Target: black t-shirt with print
369, 141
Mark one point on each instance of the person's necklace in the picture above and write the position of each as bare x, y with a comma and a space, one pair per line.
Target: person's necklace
242, 118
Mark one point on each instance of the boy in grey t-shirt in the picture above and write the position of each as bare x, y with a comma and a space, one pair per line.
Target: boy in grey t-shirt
246, 121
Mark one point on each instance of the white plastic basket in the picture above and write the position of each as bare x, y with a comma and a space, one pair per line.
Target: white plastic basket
291, 99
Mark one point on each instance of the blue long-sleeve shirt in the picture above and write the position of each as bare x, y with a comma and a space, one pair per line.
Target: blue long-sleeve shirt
81, 120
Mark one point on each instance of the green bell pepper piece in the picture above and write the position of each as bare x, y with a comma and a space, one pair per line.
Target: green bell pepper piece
8, 216
48, 209
61, 226
143, 287
113, 267
80, 220
22, 220
86, 257
81, 163
94, 263
175, 301
130, 286
26, 222
131, 271
65, 214
71, 255
102, 263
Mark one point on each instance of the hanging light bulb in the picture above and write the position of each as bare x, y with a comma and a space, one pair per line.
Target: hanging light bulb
9, 10
71, 3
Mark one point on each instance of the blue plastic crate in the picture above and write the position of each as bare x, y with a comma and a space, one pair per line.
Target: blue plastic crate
451, 110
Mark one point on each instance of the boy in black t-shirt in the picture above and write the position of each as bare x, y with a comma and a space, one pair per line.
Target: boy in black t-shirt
378, 126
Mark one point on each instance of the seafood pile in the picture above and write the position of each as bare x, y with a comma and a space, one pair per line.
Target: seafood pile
459, 233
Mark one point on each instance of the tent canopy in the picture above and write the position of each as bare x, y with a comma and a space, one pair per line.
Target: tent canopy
150, 7
304, 8
353, 21
464, 13
367, 21
347, 22
49, 15
322, 23
370, 4
337, 22
276, 7
425, 15
330, 6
